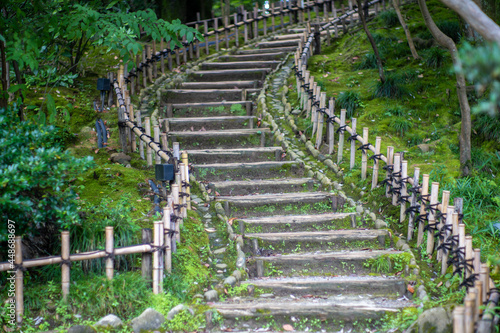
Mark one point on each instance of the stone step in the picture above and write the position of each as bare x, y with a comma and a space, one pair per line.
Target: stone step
224, 108
292, 223
210, 123
351, 313
238, 171
230, 74
267, 50
317, 263
286, 242
231, 138
331, 285
202, 95
253, 57
249, 84
261, 186
254, 154
240, 65
279, 44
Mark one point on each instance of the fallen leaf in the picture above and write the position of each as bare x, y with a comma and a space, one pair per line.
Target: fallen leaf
231, 220
96, 151
439, 284
411, 289
288, 327
421, 75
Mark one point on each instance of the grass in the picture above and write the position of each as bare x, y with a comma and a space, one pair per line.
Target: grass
350, 101
393, 87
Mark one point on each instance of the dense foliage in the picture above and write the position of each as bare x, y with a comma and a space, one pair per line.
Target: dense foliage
35, 177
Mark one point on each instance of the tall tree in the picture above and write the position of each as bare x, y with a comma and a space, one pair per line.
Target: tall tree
406, 29
465, 132
372, 41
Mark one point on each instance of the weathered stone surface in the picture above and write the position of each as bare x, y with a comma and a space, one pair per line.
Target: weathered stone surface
211, 296
379, 224
175, 310
436, 320
120, 158
150, 319
109, 321
81, 329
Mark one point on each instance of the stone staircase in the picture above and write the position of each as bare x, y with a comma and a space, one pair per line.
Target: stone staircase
306, 256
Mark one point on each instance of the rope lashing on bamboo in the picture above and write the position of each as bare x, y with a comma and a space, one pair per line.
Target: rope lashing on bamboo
19, 267
66, 262
109, 255
341, 129
364, 147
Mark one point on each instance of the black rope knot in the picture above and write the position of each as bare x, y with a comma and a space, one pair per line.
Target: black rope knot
364, 147
66, 262
377, 157
110, 255
341, 129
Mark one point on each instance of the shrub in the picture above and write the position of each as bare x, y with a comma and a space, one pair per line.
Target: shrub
400, 125
389, 17
393, 87
350, 101
368, 61
435, 57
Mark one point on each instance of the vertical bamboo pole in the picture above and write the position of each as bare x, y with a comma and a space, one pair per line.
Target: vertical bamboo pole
156, 131
185, 51
469, 255
432, 216
164, 141
413, 203
309, 101
378, 143
313, 108
109, 252
176, 150
147, 238
353, 144
155, 64
149, 155
334, 10
197, 27
364, 154
134, 137
331, 127
245, 27
150, 68
478, 285
404, 192
272, 18
390, 162
205, 26
256, 22
139, 124
183, 200
484, 277
173, 224
298, 63
138, 72
19, 284
184, 157
320, 118
175, 197
477, 261
341, 136
144, 68
469, 314
397, 170
168, 239
444, 207
424, 193
226, 32
162, 61
304, 93
236, 31
264, 23
473, 294
156, 257
65, 267
161, 256
449, 222
458, 319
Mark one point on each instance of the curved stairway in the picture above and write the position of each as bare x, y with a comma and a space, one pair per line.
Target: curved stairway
306, 256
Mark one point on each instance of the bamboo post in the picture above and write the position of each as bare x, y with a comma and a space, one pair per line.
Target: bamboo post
469, 314
149, 155
331, 128
264, 23
169, 59
448, 231
147, 238
478, 285
320, 118
205, 28
444, 206
311, 104
173, 223
185, 51
184, 157
424, 194
334, 10
484, 277
226, 32
376, 162
156, 131
144, 68
255, 21
161, 256
469, 255
353, 144
155, 65
19, 284
168, 238
403, 191
364, 154
164, 141
461, 237
156, 257
304, 94
175, 198
477, 261
458, 319
109, 253
65, 267
390, 164
182, 199
150, 68
298, 63
236, 31
397, 171
413, 203
272, 18
141, 143
132, 119
245, 27
432, 216
176, 150
341, 136
162, 59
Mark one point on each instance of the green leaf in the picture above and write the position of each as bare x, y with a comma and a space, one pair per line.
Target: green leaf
14, 88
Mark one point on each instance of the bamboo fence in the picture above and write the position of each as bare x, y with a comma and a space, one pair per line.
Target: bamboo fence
443, 223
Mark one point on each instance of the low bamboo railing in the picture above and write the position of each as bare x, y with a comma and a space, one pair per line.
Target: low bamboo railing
443, 223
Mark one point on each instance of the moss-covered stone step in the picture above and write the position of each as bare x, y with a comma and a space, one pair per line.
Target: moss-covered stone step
319, 263
208, 109
262, 186
210, 123
231, 138
238, 171
230, 74
241, 155
204, 95
244, 84
291, 223
332, 285
240, 64
317, 240
267, 50
349, 312
279, 44
253, 57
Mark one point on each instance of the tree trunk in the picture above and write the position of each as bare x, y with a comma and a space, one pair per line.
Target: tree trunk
5, 77
407, 31
372, 41
465, 132
19, 79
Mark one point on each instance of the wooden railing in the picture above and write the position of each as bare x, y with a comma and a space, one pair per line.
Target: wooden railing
442, 222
